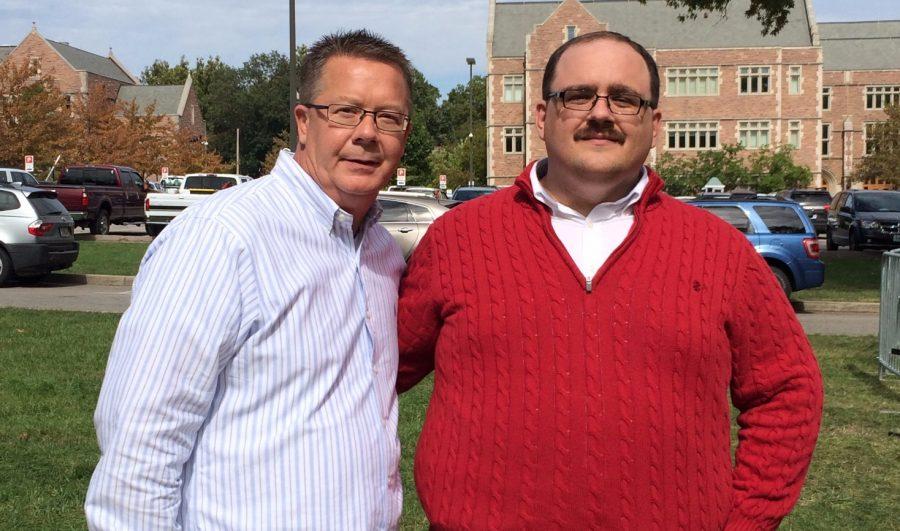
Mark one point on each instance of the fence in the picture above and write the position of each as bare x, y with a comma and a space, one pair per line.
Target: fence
889, 328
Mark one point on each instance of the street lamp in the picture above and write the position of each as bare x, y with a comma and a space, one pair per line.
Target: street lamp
471, 62
292, 73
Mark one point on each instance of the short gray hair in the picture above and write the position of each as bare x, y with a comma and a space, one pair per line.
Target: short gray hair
357, 43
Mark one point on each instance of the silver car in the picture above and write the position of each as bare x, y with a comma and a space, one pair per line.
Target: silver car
35, 232
407, 216
15, 175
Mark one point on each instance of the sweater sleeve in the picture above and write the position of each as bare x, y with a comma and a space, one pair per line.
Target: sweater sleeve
777, 387
419, 319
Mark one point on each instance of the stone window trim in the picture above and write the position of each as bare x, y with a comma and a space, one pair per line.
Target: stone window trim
827, 97
754, 80
754, 134
692, 135
513, 140
879, 96
795, 133
513, 88
569, 33
795, 79
692, 81
826, 139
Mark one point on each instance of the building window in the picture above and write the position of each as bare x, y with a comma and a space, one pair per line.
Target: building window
826, 139
513, 140
692, 81
869, 137
753, 135
754, 79
34, 63
794, 80
513, 89
692, 135
826, 98
794, 133
881, 97
571, 33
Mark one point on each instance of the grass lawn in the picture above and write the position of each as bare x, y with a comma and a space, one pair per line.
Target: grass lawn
108, 258
53, 363
849, 276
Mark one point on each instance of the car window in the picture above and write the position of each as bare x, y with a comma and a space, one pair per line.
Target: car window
24, 178
207, 182
8, 201
813, 198
781, 219
393, 211
420, 213
837, 202
878, 202
849, 202
732, 215
86, 176
46, 204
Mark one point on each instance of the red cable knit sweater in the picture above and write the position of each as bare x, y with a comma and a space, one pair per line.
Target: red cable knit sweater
559, 407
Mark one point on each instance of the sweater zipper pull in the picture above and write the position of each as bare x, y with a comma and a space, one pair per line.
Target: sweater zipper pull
588, 284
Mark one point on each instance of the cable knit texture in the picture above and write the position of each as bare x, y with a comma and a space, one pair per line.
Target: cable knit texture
555, 407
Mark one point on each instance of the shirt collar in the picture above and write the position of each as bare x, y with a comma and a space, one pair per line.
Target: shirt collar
601, 211
326, 211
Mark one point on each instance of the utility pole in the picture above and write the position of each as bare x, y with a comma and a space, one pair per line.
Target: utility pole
237, 152
471, 62
292, 72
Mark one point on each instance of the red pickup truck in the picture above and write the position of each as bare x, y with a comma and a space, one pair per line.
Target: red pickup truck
99, 194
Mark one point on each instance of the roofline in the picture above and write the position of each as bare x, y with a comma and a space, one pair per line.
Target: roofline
50, 44
861, 21
811, 23
115, 61
492, 8
182, 103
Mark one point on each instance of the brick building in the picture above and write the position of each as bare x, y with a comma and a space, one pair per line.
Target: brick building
721, 81
78, 73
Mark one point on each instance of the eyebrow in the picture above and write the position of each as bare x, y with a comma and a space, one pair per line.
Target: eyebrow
615, 88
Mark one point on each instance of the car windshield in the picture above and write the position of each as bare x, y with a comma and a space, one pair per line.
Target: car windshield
207, 182
46, 204
466, 194
812, 198
878, 202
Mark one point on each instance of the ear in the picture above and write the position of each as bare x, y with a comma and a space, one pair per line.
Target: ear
301, 115
540, 117
657, 123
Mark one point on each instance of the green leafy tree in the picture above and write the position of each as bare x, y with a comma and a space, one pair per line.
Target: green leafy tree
884, 161
426, 119
162, 73
771, 14
772, 170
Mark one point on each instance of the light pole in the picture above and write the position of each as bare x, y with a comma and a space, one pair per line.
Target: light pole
471, 62
292, 73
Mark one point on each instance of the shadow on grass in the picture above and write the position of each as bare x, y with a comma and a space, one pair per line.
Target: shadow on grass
871, 381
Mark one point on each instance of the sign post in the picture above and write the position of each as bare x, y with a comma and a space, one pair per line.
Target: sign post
164, 174
29, 162
443, 182
401, 176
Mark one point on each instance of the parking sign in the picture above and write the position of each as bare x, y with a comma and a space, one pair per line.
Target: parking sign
165, 172
29, 162
401, 176
443, 182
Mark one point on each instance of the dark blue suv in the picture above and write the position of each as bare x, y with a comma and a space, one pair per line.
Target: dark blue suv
780, 231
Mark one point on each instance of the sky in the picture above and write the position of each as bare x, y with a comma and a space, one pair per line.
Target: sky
436, 35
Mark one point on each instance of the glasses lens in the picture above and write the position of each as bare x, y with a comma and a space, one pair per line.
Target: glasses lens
580, 100
344, 114
390, 121
624, 103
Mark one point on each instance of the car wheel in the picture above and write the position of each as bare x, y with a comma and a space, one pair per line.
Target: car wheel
829, 242
783, 280
854, 241
5, 267
153, 230
101, 223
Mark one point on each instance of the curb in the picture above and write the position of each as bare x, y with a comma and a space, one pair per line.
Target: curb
100, 280
112, 238
835, 307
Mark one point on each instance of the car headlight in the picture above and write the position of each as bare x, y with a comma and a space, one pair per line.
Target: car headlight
872, 225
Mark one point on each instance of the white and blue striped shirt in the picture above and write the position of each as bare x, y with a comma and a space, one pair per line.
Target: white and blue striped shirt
251, 382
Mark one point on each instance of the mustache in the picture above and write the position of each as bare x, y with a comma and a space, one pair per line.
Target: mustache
593, 129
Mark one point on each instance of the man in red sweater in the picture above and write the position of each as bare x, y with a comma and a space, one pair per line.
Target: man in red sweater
585, 329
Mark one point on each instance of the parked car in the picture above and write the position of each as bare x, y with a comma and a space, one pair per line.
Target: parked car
465, 193
13, 175
98, 195
172, 184
436, 193
35, 233
814, 202
864, 218
161, 208
407, 216
781, 232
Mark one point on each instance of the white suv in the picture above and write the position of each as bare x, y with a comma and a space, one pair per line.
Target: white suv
13, 175
35, 232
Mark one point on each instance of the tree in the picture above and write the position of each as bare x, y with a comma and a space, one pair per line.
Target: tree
884, 160
426, 119
772, 14
774, 169
160, 73
34, 119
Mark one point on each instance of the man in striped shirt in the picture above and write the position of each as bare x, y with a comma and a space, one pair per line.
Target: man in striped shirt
251, 382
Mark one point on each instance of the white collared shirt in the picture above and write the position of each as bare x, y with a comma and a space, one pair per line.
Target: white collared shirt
590, 239
251, 382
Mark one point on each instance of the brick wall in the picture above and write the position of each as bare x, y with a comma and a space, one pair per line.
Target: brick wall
67, 79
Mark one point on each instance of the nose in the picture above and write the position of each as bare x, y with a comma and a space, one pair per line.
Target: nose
601, 110
366, 130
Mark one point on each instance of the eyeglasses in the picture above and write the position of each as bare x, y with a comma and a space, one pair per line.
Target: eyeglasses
585, 99
351, 116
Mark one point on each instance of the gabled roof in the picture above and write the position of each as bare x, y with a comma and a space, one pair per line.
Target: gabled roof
91, 62
166, 97
4, 51
871, 45
654, 25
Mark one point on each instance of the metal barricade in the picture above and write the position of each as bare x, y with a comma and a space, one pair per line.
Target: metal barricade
889, 327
